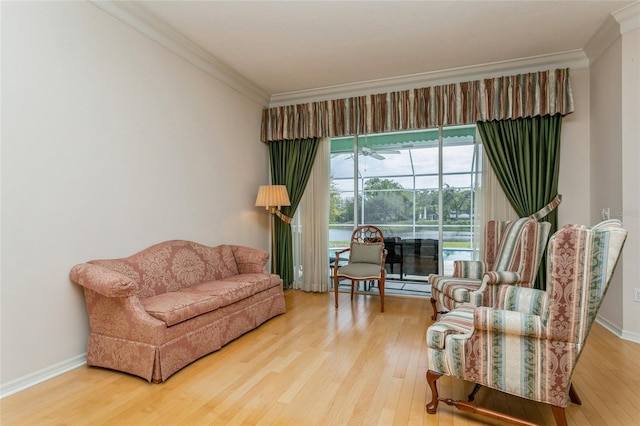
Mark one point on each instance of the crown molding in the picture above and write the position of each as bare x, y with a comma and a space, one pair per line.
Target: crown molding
628, 17
569, 59
603, 39
147, 24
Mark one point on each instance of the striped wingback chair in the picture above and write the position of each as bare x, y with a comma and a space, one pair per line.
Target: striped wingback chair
517, 259
527, 344
513, 251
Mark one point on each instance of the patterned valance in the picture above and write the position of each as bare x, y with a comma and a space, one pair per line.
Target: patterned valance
518, 96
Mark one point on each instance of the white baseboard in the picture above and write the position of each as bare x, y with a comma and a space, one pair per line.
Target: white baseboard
632, 337
40, 376
623, 334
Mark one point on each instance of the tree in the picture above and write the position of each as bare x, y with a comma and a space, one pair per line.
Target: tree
336, 204
455, 201
427, 204
386, 201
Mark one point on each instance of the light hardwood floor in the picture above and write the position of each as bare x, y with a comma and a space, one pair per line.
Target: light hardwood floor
316, 365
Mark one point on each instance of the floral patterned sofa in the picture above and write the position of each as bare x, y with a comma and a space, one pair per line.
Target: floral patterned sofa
152, 313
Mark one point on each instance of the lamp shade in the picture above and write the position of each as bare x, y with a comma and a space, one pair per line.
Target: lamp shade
272, 196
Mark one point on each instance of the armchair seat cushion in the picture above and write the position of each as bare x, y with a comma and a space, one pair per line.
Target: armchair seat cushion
360, 271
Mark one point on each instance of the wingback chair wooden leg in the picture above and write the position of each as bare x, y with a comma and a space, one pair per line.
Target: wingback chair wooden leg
435, 310
559, 415
335, 287
573, 395
473, 393
432, 376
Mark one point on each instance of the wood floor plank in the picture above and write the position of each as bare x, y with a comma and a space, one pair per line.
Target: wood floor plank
318, 365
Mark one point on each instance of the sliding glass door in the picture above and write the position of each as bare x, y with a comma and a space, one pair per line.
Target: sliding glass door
418, 187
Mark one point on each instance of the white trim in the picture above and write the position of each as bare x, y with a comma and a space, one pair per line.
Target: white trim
630, 336
568, 59
603, 39
147, 24
142, 21
40, 376
613, 328
628, 17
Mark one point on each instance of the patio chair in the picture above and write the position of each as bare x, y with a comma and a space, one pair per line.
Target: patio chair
366, 261
529, 341
395, 254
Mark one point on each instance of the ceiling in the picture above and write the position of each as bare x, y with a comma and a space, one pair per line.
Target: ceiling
296, 46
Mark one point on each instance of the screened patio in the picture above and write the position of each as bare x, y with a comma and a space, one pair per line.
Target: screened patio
418, 187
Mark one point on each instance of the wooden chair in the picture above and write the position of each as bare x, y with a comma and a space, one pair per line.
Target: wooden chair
366, 260
543, 332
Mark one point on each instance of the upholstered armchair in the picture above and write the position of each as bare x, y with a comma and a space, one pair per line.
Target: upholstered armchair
528, 342
513, 251
512, 254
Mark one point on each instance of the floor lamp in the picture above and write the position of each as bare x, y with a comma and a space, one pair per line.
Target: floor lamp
272, 198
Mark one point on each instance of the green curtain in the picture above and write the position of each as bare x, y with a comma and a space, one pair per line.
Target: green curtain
291, 163
525, 155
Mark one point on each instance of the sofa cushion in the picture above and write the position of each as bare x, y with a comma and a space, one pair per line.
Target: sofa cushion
232, 289
250, 260
221, 263
172, 265
260, 282
227, 292
178, 306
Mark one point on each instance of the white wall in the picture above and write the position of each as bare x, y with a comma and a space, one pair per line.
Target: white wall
630, 213
606, 164
110, 143
573, 180
615, 175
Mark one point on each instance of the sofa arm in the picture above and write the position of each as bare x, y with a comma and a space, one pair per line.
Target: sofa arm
103, 280
250, 260
469, 269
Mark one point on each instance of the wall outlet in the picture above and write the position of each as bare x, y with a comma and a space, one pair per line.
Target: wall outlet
636, 294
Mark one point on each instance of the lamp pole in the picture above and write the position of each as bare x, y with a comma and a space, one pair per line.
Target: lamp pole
273, 244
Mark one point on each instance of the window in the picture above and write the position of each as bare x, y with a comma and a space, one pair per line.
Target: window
417, 186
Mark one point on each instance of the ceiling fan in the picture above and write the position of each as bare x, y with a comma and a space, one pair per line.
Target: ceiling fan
370, 152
